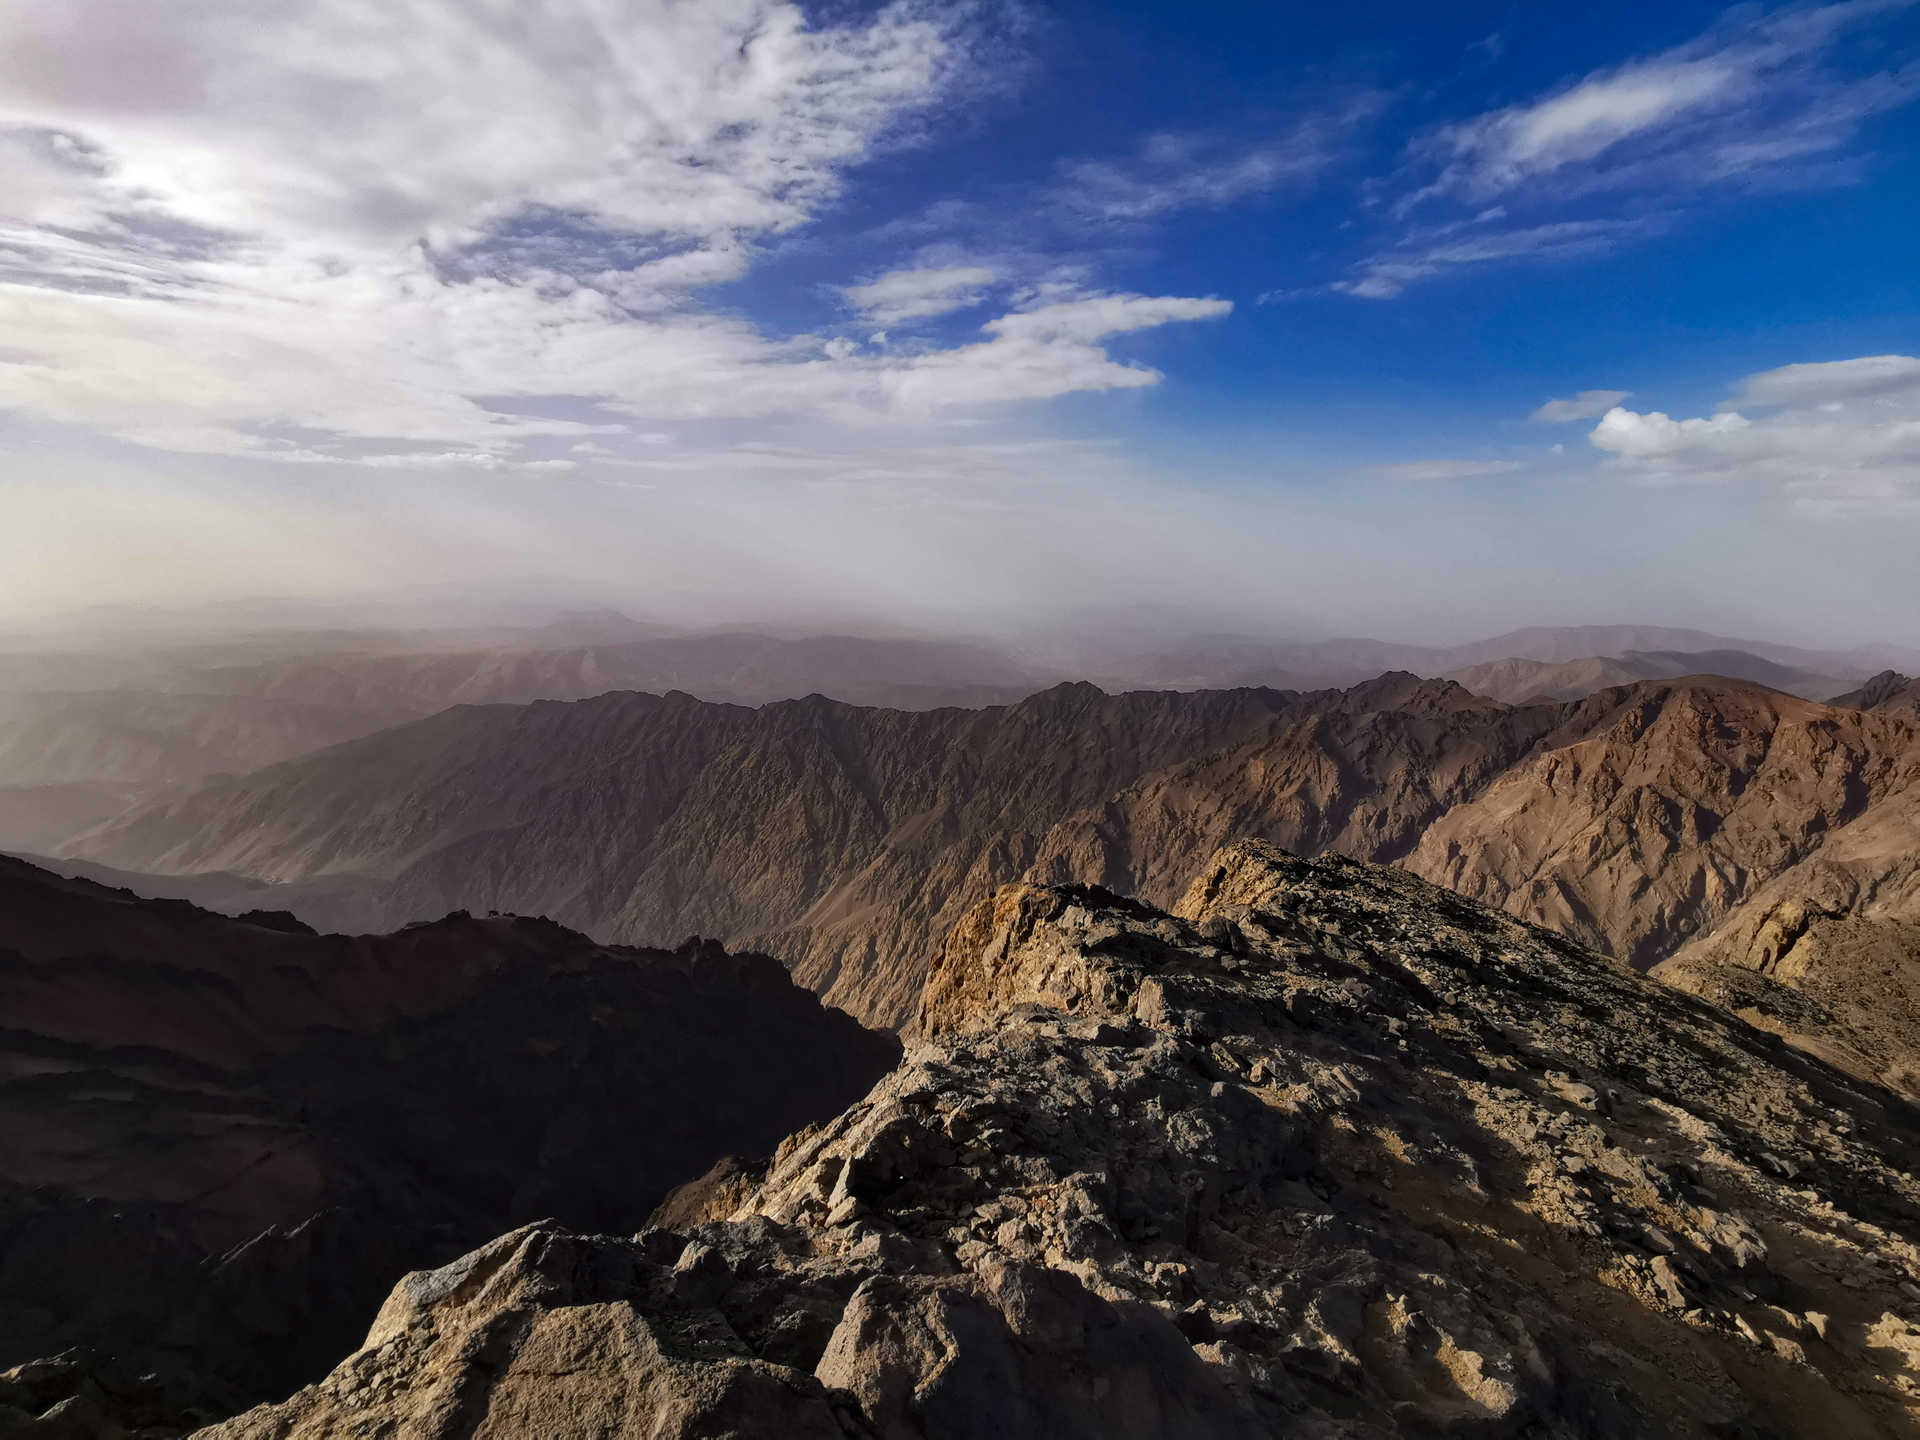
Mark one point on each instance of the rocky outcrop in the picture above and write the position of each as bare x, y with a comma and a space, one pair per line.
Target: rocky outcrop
222, 1140
1327, 1152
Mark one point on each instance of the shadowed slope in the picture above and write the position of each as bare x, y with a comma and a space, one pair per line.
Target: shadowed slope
220, 1139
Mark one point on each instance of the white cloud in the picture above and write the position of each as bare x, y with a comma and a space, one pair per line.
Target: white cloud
1841, 437
323, 232
1098, 316
903, 295
375, 125
1656, 435
1587, 405
1037, 354
1430, 471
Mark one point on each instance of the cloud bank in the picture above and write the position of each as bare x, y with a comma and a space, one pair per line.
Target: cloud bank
440, 233
1838, 437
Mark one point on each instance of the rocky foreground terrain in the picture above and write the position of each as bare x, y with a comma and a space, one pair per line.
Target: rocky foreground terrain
221, 1139
1326, 1151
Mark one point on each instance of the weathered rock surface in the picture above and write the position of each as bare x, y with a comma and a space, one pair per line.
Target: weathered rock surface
222, 1140
1329, 1152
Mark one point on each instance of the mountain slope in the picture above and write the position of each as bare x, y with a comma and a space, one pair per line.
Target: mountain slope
1364, 773
1664, 807
221, 1139
1330, 1153
149, 737
846, 839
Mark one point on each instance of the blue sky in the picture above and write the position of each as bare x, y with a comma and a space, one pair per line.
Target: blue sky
1410, 318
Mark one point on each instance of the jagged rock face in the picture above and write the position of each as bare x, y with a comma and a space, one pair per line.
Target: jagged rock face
1365, 773
1660, 810
1329, 1152
221, 1140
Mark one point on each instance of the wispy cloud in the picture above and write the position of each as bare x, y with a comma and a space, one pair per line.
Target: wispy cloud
1587, 405
1036, 354
1752, 98
1390, 272
1759, 102
1172, 172
1834, 382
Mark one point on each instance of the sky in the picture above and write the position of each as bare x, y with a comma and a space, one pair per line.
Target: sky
1413, 320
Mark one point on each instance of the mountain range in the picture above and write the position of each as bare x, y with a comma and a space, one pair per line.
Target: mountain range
86, 733
845, 840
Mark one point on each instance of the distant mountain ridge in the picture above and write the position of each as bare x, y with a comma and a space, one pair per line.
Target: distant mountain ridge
1887, 690
850, 834
83, 735
1518, 681
182, 724
1204, 663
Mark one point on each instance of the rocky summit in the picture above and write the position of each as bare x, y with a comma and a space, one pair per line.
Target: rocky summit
1326, 1151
